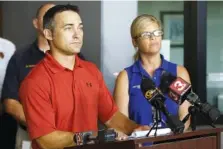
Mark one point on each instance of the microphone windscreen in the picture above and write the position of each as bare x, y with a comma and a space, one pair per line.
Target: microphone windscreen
147, 84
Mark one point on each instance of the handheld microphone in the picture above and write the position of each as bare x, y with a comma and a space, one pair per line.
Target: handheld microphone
179, 90
156, 98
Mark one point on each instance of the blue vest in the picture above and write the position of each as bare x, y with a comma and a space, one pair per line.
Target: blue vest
140, 110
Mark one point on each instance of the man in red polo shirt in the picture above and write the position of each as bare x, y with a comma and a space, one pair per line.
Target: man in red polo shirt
64, 94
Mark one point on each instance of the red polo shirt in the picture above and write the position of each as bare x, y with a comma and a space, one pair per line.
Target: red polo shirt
56, 98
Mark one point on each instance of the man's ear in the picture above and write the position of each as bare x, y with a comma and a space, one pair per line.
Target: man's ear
134, 43
35, 23
48, 34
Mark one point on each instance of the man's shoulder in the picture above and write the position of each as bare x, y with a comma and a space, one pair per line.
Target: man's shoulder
91, 68
37, 78
22, 54
23, 51
89, 65
38, 73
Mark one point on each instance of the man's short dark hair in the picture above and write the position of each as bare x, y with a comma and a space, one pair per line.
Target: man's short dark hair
48, 18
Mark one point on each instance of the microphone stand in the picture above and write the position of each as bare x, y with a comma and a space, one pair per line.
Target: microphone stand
173, 122
191, 112
156, 124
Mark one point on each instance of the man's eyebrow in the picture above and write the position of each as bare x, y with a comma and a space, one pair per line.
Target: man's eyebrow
81, 24
68, 25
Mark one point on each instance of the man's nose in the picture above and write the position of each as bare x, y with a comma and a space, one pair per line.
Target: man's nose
76, 33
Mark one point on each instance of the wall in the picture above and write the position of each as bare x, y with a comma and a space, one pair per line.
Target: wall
117, 50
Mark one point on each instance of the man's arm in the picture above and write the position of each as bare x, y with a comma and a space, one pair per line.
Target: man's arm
56, 140
14, 108
110, 115
121, 123
10, 92
40, 116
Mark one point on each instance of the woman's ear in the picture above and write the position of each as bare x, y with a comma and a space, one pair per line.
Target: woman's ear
134, 42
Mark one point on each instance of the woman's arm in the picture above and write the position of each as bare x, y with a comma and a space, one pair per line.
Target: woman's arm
183, 109
121, 94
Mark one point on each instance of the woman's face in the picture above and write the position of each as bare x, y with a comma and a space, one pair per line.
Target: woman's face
149, 42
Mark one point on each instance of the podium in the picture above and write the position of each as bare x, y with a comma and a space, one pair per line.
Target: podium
209, 138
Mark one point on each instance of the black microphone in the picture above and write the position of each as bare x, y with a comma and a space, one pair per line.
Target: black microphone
105, 135
151, 93
156, 98
176, 88
179, 90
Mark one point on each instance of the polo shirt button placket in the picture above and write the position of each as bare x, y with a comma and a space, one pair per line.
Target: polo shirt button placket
74, 80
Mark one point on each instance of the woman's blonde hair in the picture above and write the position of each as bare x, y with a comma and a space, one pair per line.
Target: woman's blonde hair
138, 26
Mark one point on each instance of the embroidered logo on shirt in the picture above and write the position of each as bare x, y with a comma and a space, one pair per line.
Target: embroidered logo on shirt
136, 86
30, 66
89, 84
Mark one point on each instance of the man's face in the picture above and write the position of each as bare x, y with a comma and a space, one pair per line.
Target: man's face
67, 33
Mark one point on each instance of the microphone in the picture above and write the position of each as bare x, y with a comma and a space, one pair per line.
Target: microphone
107, 135
179, 90
89, 137
176, 87
156, 98
151, 93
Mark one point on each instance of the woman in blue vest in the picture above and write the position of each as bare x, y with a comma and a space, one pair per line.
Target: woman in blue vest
146, 33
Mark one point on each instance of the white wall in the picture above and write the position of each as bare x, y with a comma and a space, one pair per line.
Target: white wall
117, 50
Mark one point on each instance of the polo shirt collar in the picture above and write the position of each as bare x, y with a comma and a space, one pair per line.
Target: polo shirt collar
55, 66
164, 64
137, 66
